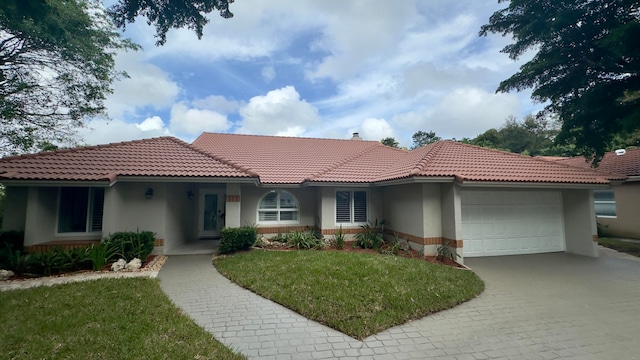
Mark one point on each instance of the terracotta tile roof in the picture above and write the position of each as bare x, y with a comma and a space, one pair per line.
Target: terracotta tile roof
627, 164
284, 160
473, 163
165, 156
288, 160
460, 161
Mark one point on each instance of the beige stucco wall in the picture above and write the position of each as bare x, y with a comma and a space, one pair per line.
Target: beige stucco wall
579, 222
15, 208
127, 209
451, 212
627, 222
40, 224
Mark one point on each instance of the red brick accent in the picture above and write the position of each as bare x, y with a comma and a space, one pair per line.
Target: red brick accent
233, 198
595, 238
158, 242
424, 241
345, 231
64, 245
282, 229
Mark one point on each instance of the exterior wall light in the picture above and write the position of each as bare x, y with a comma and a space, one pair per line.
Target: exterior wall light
149, 193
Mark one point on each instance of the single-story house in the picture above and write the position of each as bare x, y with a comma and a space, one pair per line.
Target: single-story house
482, 202
617, 208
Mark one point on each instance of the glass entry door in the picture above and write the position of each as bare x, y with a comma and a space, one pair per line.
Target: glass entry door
211, 213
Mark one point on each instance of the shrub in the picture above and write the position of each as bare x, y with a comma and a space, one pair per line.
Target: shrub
76, 259
99, 254
47, 263
234, 239
16, 261
445, 251
129, 245
12, 239
338, 239
304, 240
371, 236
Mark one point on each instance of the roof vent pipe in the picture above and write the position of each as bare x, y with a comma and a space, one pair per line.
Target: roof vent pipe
356, 136
621, 152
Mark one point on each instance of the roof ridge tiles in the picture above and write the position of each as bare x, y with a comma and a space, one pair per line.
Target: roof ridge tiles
221, 159
343, 161
427, 158
285, 137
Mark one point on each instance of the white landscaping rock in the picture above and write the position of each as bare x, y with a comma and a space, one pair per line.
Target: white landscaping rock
6, 274
133, 265
119, 265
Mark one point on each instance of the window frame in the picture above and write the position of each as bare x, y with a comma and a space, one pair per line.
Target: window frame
596, 202
351, 207
91, 196
278, 209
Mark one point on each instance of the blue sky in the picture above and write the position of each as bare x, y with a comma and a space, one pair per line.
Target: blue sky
317, 69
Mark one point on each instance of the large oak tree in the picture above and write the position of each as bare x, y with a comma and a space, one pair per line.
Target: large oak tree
56, 69
586, 66
168, 14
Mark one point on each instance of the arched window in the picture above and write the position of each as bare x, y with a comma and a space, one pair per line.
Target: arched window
278, 206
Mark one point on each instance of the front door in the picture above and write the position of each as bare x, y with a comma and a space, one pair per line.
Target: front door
210, 213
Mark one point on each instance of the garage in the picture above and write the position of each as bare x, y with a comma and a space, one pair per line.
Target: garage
511, 222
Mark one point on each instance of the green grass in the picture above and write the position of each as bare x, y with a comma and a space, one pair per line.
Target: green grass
101, 319
631, 248
359, 294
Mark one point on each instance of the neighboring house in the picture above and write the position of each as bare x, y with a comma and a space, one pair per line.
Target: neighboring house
482, 202
617, 208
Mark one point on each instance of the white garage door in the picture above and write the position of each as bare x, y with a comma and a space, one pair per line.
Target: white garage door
511, 222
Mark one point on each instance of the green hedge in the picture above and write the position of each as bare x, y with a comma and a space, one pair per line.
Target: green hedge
234, 239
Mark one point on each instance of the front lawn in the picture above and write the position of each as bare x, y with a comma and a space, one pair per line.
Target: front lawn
631, 248
101, 319
359, 294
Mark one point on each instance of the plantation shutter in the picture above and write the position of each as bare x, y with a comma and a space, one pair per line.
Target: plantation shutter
97, 206
343, 206
359, 206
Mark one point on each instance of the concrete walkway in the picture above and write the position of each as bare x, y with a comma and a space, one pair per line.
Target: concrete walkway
551, 306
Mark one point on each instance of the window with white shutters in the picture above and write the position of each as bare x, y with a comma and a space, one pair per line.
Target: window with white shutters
351, 206
80, 210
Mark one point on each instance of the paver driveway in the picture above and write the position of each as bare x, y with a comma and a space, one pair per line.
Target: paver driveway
550, 306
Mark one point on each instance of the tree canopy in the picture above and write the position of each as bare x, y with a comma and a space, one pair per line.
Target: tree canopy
165, 15
389, 141
421, 138
586, 65
56, 68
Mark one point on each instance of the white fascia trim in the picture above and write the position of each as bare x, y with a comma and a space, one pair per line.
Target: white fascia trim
183, 179
416, 179
340, 184
632, 179
57, 183
486, 184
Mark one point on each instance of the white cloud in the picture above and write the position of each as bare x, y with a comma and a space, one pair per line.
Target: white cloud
464, 112
268, 73
147, 85
376, 129
151, 124
191, 121
280, 111
100, 131
218, 104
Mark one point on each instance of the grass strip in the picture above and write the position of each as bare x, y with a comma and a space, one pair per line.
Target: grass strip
631, 248
101, 319
358, 294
